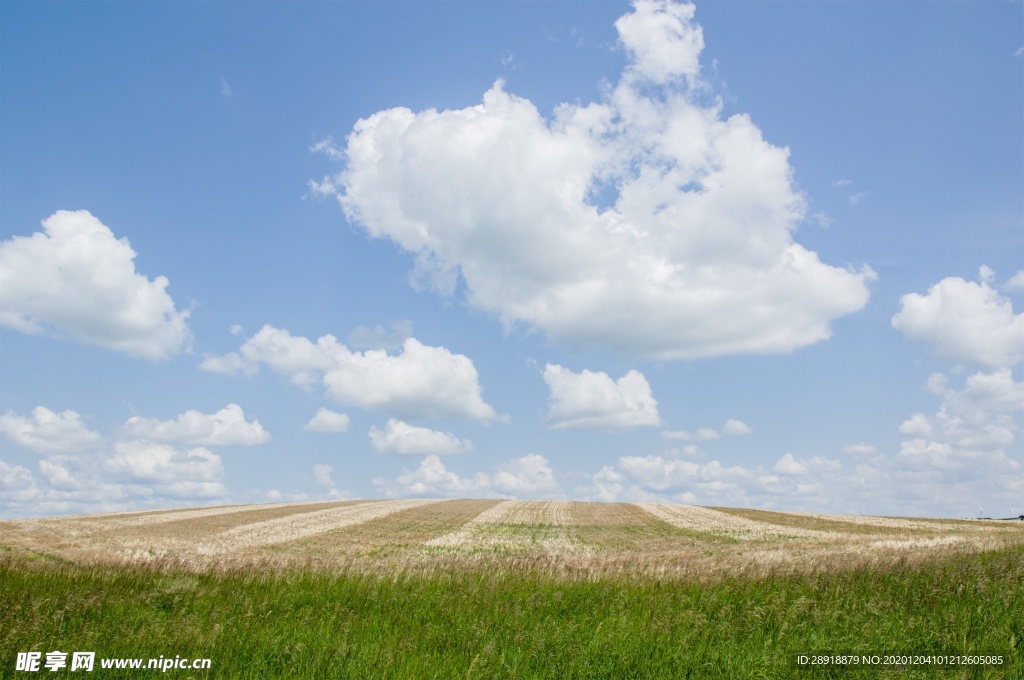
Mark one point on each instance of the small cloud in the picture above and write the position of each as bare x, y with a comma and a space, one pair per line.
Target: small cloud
736, 427
703, 434
225, 88
856, 198
1015, 283
326, 420
860, 449
732, 427
841, 183
322, 475
691, 451
823, 220
507, 58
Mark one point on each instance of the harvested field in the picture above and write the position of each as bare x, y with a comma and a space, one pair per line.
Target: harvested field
569, 537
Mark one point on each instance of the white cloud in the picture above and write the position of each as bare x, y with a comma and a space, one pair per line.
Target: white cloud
402, 438
788, 465
432, 478
965, 322
976, 422
594, 400
732, 427
419, 382
225, 87
326, 420
226, 427
663, 41
841, 183
49, 432
608, 484
1016, 282
860, 449
916, 425
856, 198
736, 427
77, 280
527, 477
702, 434
322, 475
171, 473
695, 258
17, 486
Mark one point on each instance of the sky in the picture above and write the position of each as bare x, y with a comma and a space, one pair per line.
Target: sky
744, 254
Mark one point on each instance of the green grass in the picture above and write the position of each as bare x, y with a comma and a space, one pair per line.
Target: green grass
486, 623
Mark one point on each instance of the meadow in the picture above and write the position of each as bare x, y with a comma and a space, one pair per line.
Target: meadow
512, 589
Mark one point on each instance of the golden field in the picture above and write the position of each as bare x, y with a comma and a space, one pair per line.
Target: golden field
585, 539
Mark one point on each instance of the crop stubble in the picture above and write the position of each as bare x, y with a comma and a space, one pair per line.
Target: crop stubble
589, 538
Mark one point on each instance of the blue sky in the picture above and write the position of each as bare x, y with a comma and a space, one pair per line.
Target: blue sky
743, 254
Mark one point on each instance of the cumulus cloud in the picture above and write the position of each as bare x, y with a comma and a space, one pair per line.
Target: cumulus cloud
419, 382
972, 425
171, 473
18, 486
662, 39
736, 427
791, 482
732, 427
226, 427
326, 420
964, 322
49, 432
593, 400
402, 438
527, 477
81, 471
695, 256
76, 280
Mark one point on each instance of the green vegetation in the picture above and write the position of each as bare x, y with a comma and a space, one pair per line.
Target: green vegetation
503, 623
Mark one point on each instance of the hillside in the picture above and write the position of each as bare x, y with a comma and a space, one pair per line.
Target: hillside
569, 537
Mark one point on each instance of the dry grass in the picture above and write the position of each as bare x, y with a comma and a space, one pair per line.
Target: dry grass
585, 539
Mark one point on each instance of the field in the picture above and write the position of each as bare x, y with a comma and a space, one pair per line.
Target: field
487, 588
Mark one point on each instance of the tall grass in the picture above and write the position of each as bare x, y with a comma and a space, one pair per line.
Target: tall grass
481, 623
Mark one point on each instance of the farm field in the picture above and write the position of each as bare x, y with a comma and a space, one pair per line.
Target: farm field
489, 588
568, 537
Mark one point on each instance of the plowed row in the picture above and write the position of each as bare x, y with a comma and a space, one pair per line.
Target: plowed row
581, 537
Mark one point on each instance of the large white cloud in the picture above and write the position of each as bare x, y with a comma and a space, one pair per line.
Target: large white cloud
49, 432
75, 279
402, 438
965, 322
419, 382
226, 427
171, 473
82, 471
594, 400
695, 258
